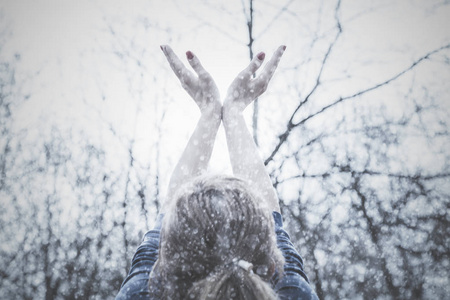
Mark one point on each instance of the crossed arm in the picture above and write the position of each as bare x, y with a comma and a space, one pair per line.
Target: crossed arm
244, 155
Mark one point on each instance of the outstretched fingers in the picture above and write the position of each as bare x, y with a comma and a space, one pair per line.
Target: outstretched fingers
271, 66
252, 67
196, 65
184, 75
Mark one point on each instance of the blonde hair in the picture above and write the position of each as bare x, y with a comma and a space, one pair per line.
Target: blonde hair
215, 222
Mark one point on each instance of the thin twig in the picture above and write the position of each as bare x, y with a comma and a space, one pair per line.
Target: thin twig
283, 137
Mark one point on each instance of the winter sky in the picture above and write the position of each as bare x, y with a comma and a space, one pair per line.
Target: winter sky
92, 65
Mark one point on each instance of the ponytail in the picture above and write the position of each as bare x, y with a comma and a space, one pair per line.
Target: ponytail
232, 281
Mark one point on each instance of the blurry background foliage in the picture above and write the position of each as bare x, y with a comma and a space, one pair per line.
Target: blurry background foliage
353, 129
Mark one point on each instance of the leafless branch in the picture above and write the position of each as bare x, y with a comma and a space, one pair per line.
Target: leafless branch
275, 18
348, 170
283, 137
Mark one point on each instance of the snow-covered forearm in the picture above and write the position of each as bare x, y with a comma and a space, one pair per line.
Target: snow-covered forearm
195, 158
246, 161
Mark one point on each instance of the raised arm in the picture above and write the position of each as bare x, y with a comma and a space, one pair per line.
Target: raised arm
246, 161
202, 88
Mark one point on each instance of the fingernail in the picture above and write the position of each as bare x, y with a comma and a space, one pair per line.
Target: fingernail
284, 47
261, 55
189, 55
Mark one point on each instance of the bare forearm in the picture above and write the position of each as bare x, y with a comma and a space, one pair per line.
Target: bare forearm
197, 153
195, 157
246, 161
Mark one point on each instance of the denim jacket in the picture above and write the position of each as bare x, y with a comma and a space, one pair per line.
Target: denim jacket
294, 283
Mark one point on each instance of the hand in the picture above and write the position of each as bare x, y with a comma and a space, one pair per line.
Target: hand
244, 89
201, 88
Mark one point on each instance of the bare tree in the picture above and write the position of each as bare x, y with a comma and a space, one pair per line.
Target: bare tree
370, 220
378, 244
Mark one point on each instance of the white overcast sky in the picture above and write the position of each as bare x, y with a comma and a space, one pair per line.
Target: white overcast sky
70, 55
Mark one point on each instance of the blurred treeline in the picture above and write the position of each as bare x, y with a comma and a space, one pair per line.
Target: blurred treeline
356, 142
